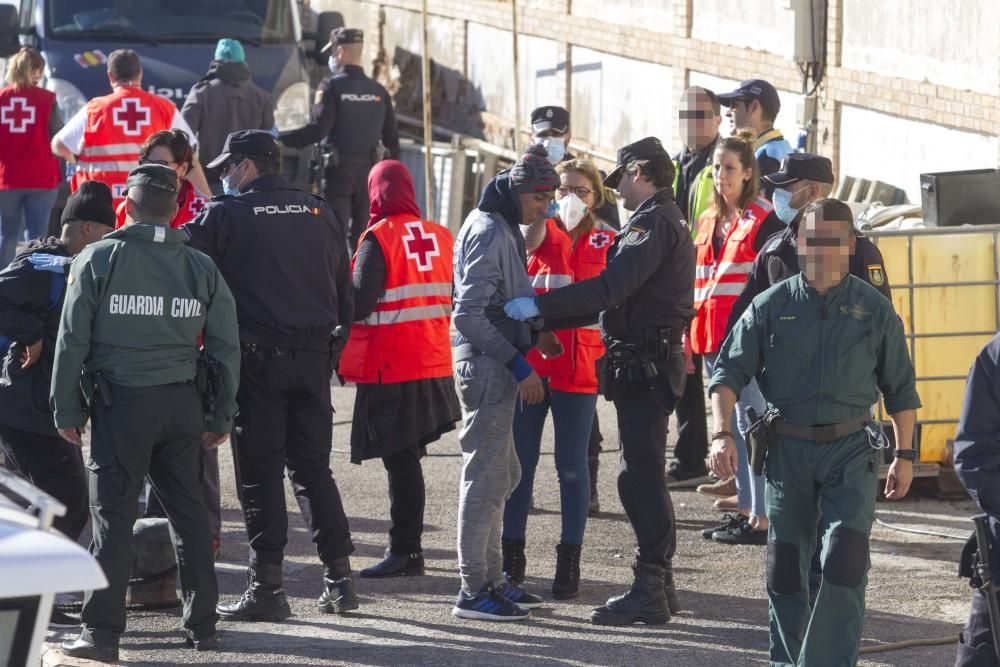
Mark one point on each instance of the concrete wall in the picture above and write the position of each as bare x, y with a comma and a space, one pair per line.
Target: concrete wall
910, 86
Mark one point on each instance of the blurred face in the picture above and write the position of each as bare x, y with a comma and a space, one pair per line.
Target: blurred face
573, 182
552, 133
729, 175
36, 76
698, 123
162, 155
534, 206
824, 248
741, 114
803, 193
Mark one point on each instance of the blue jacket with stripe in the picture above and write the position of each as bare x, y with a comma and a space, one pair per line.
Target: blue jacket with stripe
31, 302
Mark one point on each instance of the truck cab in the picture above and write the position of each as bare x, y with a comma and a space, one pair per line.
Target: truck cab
176, 41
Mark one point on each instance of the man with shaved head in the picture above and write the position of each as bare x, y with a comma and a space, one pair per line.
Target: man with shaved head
822, 344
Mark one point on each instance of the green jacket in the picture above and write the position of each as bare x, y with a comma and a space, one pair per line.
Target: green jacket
699, 194
820, 360
136, 303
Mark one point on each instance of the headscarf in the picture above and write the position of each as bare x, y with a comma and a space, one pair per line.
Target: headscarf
390, 191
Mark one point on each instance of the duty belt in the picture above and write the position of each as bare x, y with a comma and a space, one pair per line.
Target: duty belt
824, 434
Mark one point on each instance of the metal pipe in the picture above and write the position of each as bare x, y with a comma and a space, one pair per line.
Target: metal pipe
428, 123
517, 76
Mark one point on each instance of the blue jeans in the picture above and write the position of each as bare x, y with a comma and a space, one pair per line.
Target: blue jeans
24, 211
749, 492
573, 417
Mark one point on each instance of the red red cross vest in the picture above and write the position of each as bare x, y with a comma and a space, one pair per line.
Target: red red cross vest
719, 280
189, 204
26, 161
548, 268
575, 371
406, 336
117, 125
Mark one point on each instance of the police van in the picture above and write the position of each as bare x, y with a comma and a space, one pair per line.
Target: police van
176, 41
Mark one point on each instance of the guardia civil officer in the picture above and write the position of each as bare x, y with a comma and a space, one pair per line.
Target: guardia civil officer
823, 344
351, 114
977, 462
644, 298
136, 303
284, 254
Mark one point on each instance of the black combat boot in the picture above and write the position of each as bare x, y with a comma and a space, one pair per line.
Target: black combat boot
514, 562
339, 596
669, 590
396, 565
566, 584
643, 602
264, 599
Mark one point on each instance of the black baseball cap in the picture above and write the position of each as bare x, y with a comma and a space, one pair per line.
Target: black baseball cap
754, 89
251, 143
644, 149
342, 36
549, 118
798, 166
152, 176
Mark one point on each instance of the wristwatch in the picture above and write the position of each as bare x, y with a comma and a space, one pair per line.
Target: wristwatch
905, 454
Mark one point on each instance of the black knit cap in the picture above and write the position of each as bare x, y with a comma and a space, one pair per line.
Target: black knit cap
91, 202
533, 172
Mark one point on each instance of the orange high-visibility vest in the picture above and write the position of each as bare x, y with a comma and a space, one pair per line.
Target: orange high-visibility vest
406, 337
719, 280
117, 126
548, 267
575, 370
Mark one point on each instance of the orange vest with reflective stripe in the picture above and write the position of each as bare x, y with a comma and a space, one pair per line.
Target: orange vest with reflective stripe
719, 280
548, 267
406, 336
575, 370
117, 126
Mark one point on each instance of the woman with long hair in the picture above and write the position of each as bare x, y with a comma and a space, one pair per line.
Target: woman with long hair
29, 173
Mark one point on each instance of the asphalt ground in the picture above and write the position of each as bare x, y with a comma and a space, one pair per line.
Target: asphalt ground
913, 591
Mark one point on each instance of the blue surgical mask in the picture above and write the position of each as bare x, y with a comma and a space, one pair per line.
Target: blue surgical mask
227, 184
331, 62
782, 205
555, 147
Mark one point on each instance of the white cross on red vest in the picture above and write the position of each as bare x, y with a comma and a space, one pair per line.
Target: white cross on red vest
419, 246
131, 116
17, 115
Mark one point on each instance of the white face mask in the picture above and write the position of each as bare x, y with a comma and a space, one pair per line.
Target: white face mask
572, 211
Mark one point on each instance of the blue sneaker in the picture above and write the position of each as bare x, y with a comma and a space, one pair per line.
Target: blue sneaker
519, 596
488, 605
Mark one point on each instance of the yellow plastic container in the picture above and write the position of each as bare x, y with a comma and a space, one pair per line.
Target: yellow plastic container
945, 288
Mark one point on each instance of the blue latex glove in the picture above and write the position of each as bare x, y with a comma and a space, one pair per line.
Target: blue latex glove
53, 263
522, 308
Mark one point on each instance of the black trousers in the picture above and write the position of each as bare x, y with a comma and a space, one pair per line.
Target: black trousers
692, 429
406, 498
54, 466
975, 644
642, 429
154, 431
285, 422
347, 192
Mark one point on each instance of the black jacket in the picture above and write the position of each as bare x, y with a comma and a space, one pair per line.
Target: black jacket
779, 260
283, 253
647, 285
352, 112
31, 302
223, 101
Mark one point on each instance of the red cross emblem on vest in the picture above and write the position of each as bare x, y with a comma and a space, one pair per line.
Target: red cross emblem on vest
131, 116
420, 246
197, 203
600, 239
17, 115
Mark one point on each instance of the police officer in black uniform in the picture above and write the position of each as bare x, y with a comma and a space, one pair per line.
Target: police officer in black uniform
283, 254
351, 113
645, 299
